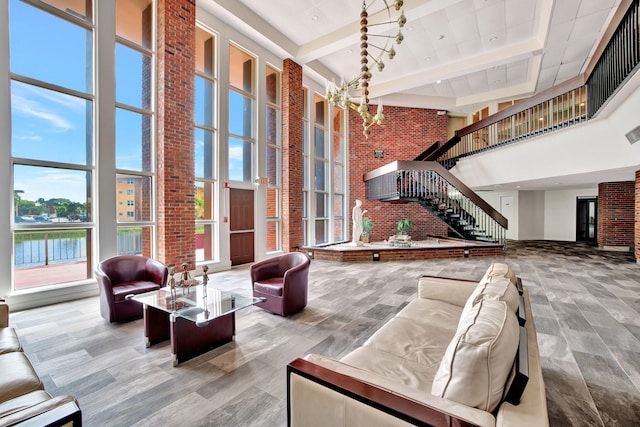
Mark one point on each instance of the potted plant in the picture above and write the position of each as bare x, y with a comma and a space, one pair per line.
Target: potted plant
403, 226
367, 225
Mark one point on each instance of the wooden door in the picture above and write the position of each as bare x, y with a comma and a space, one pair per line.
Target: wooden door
241, 226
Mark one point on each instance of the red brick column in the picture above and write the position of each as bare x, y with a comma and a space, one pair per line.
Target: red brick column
637, 218
292, 110
175, 146
615, 214
404, 134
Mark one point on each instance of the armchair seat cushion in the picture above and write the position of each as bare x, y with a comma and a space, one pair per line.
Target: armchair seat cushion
9, 341
270, 286
137, 287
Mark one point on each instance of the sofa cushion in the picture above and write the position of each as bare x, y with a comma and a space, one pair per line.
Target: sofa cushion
451, 291
9, 341
479, 358
395, 368
22, 402
409, 340
433, 313
20, 377
26, 408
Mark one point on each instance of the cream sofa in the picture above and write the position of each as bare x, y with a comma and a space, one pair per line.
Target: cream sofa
23, 400
462, 353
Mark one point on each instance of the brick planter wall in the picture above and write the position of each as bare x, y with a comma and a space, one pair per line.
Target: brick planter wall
404, 134
616, 214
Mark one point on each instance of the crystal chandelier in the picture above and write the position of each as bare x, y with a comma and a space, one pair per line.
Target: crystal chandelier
358, 88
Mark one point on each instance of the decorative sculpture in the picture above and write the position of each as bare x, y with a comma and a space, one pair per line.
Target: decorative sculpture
356, 217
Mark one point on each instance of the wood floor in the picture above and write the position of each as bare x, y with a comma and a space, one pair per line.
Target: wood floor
586, 307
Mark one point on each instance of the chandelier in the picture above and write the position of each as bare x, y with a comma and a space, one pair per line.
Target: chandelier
358, 88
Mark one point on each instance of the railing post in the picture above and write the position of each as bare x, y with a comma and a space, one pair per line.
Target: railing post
46, 248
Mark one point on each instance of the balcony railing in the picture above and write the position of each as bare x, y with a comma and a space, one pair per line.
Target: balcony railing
567, 104
560, 111
37, 248
618, 60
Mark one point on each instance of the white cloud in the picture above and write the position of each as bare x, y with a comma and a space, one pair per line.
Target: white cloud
31, 108
236, 153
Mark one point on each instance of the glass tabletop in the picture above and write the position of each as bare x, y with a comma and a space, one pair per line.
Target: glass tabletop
199, 304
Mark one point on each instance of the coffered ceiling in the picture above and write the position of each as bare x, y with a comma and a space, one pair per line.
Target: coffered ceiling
457, 55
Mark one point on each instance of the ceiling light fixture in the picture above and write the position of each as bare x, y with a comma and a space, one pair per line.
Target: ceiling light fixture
359, 87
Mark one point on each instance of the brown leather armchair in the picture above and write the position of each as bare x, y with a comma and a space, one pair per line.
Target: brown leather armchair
282, 281
120, 276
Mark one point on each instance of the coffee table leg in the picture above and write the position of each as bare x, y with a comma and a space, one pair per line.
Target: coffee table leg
189, 340
156, 325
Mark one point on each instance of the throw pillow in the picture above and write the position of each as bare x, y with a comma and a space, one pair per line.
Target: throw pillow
478, 360
497, 269
496, 287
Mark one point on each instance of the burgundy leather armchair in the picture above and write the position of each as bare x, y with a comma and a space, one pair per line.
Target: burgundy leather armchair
282, 281
120, 276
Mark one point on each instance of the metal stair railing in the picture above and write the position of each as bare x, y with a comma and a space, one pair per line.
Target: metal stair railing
435, 188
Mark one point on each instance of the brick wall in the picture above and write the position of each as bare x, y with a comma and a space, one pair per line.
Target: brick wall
637, 217
175, 137
615, 213
292, 110
405, 133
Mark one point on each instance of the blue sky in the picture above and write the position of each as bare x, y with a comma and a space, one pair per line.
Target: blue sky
52, 126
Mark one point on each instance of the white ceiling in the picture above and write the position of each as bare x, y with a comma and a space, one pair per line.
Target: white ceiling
480, 51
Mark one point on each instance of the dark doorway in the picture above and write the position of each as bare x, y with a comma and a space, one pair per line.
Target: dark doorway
241, 239
587, 219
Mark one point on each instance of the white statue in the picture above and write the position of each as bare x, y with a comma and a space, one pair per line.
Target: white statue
356, 216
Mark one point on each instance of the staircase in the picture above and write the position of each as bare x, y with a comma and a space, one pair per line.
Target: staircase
466, 215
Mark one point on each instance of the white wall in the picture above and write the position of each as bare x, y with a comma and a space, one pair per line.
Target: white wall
531, 215
494, 198
541, 215
560, 213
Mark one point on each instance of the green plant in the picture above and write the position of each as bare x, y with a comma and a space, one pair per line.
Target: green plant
404, 225
367, 225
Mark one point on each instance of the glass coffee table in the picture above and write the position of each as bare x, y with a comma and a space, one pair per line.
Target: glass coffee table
195, 319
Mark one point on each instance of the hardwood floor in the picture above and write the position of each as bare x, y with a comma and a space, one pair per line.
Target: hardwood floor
586, 307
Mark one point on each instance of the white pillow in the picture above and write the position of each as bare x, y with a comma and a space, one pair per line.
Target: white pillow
497, 270
478, 360
495, 287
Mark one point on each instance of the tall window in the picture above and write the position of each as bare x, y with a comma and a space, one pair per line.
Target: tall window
206, 137
324, 174
241, 114
52, 140
305, 166
135, 166
273, 159
338, 174
321, 170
